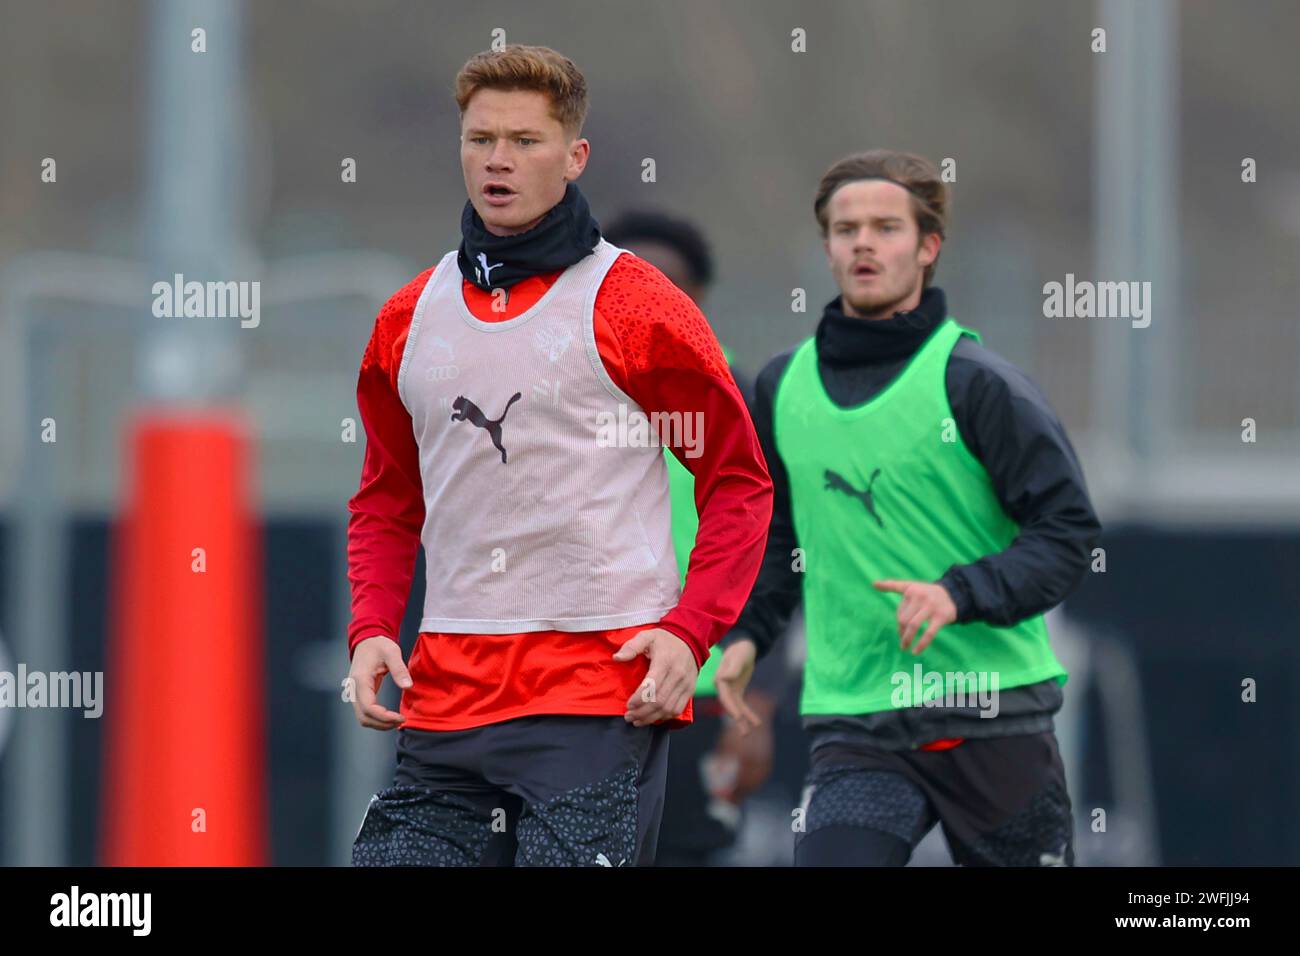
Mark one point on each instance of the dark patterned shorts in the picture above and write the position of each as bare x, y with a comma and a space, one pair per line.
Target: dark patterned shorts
534, 791
1001, 801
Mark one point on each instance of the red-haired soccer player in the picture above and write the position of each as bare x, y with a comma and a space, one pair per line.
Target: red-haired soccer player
505, 395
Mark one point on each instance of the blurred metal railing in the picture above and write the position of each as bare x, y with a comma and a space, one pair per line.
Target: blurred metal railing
111, 294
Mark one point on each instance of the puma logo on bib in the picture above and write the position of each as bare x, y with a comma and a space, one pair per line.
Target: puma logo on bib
465, 410
837, 482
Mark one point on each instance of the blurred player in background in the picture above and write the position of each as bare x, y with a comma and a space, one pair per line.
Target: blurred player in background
555, 651
928, 509
712, 765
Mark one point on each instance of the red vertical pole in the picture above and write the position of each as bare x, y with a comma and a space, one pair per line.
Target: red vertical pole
184, 768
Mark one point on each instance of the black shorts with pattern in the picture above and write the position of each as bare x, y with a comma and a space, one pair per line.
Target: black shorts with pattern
555, 790
1001, 801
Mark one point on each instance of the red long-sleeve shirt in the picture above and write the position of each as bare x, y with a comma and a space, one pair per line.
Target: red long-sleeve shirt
659, 349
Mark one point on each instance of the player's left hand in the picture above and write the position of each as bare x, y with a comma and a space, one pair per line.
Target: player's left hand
668, 686
921, 602
732, 677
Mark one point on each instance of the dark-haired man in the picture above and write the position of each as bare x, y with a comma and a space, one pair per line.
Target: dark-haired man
928, 510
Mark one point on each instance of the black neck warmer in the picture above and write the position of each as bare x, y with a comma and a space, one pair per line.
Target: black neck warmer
566, 234
845, 340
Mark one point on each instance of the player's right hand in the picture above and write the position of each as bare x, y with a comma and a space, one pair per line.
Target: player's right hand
371, 660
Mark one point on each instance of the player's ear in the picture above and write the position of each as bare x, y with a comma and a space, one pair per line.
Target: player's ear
931, 242
579, 153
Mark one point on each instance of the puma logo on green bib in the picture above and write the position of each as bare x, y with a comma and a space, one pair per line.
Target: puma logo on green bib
836, 482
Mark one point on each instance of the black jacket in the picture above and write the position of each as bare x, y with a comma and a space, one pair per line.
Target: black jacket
1011, 429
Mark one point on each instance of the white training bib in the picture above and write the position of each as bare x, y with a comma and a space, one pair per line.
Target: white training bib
530, 524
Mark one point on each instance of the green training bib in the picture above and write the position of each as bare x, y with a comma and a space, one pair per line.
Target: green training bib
888, 490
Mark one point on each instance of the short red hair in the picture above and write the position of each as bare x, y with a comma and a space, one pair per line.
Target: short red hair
520, 67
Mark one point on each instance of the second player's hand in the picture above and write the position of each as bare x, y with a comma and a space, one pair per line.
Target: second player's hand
731, 678
668, 686
921, 602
